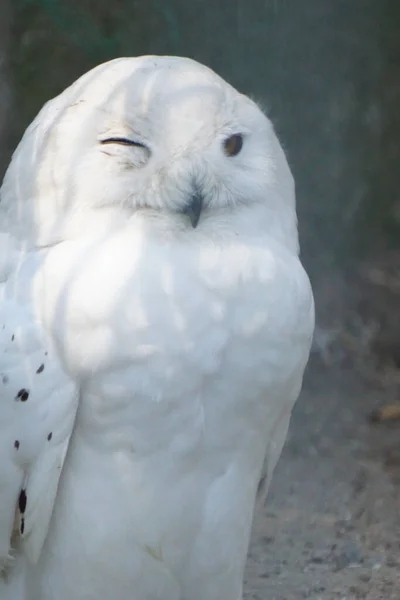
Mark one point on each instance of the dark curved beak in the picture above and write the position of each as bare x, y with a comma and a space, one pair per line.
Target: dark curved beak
194, 208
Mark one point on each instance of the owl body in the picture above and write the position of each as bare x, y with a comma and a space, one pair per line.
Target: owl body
170, 293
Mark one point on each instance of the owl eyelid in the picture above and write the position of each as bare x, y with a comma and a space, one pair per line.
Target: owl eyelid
123, 142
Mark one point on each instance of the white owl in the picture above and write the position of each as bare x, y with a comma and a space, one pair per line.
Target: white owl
155, 323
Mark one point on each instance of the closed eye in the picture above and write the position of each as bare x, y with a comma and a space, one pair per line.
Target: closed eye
123, 142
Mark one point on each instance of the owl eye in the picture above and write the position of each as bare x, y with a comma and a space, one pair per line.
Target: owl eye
233, 144
123, 142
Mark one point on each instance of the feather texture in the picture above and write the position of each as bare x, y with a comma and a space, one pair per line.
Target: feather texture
148, 368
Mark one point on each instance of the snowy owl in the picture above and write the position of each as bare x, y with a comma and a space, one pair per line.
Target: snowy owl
155, 323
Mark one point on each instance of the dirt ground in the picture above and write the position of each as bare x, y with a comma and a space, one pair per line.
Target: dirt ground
331, 526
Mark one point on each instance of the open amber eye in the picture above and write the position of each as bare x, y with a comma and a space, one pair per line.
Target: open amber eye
233, 144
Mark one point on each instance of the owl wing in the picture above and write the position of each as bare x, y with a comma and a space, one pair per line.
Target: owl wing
38, 404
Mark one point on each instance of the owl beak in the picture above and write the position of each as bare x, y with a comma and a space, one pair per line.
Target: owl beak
194, 208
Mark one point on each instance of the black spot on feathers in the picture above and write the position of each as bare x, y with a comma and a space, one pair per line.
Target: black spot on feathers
22, 395
50, 436
16, 444
12, 337
22, 528
40, 369
22, 501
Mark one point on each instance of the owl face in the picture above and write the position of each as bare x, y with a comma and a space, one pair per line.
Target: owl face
164, 136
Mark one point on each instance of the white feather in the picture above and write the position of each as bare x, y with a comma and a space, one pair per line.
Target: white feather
172, 356
29, 368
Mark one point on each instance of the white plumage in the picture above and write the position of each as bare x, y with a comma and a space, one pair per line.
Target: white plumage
148, 366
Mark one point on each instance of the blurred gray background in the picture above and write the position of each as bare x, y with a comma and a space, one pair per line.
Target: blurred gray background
328, 74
